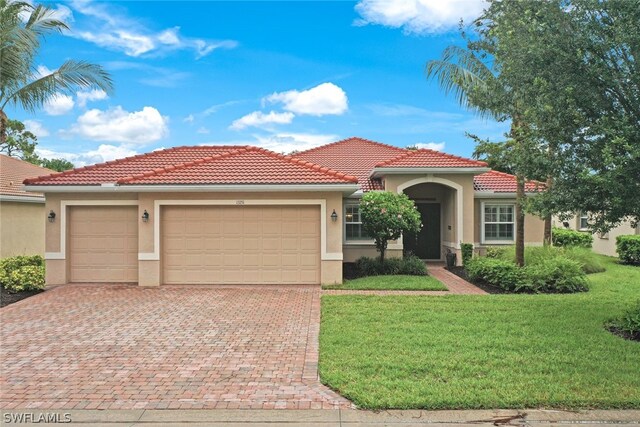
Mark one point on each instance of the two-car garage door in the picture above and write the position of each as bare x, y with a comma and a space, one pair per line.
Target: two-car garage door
240, 244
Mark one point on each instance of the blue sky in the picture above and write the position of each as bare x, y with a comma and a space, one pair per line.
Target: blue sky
282, 75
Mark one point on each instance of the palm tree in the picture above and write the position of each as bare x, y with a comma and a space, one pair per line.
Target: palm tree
20, 84
477, 86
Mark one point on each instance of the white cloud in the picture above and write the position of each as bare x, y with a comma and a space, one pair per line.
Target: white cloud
437, 146
103, 153
203, 130
286, 142
91, 95
326, 98
116, 124
419, 16
189, 119
58, 105
112, 29
36, 127
258, 118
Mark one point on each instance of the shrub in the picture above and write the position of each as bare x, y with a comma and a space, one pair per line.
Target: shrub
22, 273
411, 266
467, 252
498, 252
564, 237
628, 248
627, 326
552, 275
589, 261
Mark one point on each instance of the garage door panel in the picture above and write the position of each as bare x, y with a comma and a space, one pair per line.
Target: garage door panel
103, 244
241, 244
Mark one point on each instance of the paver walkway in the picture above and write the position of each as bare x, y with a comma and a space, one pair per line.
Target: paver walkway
126, 347
455, 284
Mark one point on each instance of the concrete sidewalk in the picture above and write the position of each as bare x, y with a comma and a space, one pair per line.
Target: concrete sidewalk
318, 418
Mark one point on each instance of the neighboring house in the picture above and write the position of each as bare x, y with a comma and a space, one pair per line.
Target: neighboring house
245, 215
22, 214
603, 243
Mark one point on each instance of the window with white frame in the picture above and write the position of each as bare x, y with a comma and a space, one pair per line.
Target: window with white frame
583, 222
499, 222
353, 223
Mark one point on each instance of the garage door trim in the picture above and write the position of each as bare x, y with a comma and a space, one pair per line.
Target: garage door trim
62, 254
324, 255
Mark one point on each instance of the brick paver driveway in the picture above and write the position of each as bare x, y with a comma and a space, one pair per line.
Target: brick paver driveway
120, 346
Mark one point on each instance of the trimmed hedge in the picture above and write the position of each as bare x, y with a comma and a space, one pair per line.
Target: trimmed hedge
627, 326
563, 237
410, 265
628, 248
467, 252
554, 275
589, 261
22, 273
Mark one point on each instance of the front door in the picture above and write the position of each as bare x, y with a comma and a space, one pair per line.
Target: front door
426, 243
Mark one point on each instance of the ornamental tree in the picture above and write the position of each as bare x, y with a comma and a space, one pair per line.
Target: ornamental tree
385, 216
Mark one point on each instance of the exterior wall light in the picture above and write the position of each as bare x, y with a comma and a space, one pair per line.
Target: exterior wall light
145, 216
51, 216
334, 216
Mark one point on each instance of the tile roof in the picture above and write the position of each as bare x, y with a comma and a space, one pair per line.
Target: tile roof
117, 169
13, 171
500, 182
425, 158
202, 165
356, 156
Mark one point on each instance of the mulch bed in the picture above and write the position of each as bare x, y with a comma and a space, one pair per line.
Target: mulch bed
7, 297
624, 334
349, 271
461, 273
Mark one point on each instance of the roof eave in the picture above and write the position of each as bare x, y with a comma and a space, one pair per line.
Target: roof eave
21, 199
380, 171
346, 188
499, 194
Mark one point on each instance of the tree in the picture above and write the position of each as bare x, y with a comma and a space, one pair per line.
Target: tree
478, 85
20, 84
19, 142
385, 216
59, 165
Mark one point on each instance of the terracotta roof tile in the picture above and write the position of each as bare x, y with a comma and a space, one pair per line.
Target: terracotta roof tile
356, 156
425, 158
13, 171
500, 182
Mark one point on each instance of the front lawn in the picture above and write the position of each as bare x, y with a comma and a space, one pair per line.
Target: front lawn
395, 283
491, 351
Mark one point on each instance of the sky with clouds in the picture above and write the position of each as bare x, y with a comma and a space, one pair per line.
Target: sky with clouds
281, 75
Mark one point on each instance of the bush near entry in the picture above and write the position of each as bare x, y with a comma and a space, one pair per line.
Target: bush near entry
628, 248
563, 237
22, 273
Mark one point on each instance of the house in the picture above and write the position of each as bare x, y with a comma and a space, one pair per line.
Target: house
241, 214
603, 243
22, 214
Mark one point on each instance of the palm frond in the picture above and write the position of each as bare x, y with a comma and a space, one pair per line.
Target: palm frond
42, 21
66, 79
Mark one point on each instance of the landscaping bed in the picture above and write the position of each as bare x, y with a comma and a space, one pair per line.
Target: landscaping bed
7, 297
462, 273
467, 351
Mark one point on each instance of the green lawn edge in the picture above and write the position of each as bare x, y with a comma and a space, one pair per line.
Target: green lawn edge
392, 283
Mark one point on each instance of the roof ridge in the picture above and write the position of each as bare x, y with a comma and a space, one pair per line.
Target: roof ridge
311, 150
121, 160
165, 169
309, 165
429, 150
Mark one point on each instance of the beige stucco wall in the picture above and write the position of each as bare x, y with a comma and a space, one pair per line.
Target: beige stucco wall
22, 228
533, 225
604, 244
149, 271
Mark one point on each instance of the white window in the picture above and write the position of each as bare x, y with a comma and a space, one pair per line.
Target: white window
583, 222
353, 223
498, 223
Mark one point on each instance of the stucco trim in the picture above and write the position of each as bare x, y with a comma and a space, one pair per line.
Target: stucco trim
322, 203
111, 188
459, 200
63, 220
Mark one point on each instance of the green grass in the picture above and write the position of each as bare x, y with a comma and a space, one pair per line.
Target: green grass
395, 283
496, 351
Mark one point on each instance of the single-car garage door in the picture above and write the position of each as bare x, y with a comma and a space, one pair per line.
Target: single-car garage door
241, 244
103, 243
